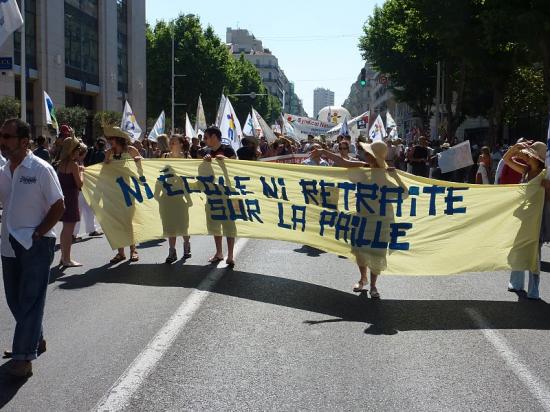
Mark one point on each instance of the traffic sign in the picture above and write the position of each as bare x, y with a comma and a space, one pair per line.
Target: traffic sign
6, 63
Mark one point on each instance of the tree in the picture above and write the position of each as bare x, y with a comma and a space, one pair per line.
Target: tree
75, 116
200, 56
204, 66
248, 80
9, 108
106, 118
396, 43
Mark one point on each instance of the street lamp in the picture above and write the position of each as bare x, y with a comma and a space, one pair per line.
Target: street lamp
174, 104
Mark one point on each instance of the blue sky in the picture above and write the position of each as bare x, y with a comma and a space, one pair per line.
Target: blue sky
315, 42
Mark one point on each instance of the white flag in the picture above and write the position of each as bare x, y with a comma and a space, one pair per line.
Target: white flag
129, 123
10, 19
158, 128
189, 131
248, 129
390, 124
266, 130
344, 128
50, 112
230, 127
221, 108
200, 121
377, 131
288, 129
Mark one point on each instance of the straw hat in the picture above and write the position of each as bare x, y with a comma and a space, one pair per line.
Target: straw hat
378, 150
114, 131
537, 150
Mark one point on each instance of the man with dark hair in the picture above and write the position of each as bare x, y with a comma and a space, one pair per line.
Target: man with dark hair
249, 149
33, 204
215, 149
41, 150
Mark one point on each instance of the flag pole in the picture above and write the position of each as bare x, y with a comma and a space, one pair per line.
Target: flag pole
173, 103
23, 68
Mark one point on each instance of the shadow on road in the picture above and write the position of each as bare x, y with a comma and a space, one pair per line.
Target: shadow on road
382, 316
310, 251
9, 386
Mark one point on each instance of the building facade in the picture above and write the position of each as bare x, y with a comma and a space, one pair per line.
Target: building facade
89, 53
322, 98
241, 41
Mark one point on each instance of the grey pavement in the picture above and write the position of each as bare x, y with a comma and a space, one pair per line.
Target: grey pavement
283, 331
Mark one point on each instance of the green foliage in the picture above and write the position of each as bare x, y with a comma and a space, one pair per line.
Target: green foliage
206, 67
73, 116
525, 95
106, 118
481, 43
248, 80
9, 108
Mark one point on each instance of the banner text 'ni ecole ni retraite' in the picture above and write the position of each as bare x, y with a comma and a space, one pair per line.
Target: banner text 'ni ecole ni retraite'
391, 221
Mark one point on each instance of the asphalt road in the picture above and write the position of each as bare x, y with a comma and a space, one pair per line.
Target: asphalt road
281, 331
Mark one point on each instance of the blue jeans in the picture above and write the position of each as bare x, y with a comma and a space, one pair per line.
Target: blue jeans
26, 278
517, 281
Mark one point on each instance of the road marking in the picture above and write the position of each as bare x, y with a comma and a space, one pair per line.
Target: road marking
119, 395
536, 386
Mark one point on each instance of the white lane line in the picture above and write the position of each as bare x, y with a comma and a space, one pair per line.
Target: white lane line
118, 396
537, 387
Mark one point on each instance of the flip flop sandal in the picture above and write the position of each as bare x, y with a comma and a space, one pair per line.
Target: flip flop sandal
215, 259
359, 286
374, 294
118, 258
134, 257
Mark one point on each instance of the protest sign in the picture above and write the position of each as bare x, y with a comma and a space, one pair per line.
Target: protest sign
306, 125
455, 157
394, 222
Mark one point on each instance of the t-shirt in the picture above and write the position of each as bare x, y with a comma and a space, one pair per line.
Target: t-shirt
194, 151
42, 153
224, 150
420, 168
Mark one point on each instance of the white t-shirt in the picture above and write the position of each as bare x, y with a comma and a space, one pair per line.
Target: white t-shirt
27, 197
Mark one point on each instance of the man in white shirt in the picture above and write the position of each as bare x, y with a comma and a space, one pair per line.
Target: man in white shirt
33, 204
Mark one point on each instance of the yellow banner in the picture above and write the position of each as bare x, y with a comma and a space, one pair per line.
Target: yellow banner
393, 222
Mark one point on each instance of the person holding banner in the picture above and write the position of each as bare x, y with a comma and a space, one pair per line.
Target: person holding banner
179, 149
529, 162
375, 155
216, 150
121, 150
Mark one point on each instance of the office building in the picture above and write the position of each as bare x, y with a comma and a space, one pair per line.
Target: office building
322, 98
89, 53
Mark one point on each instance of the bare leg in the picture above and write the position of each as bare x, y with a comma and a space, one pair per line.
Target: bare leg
219, 250
186, 247
121, 251
66, 240
230, 247
363, 281
373, 291
172, 242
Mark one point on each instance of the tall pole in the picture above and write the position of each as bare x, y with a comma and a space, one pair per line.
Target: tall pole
23, 67
173, 75
437, 99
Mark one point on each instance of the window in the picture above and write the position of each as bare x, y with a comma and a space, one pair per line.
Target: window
122, 41
30, 39
81, 41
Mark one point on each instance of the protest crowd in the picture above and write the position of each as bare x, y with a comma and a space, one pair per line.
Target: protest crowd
41, 181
